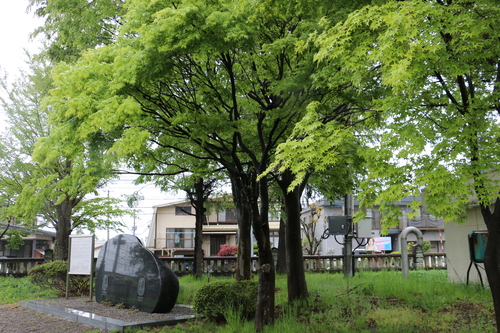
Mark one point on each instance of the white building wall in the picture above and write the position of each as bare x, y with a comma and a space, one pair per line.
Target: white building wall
334, 244
329, 245
457, 247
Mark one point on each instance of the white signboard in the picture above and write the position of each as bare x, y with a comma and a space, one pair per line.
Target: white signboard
81, 254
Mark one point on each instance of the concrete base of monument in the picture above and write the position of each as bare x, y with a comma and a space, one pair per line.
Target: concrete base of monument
90, 313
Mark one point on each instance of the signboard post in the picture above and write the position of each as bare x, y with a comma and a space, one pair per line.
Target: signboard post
80, 258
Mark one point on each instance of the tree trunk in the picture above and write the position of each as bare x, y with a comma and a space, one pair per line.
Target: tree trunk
492, 254
246, 197
244, 216
63, 230
297, 286
198, 247
199, 203
264, 313
281, 265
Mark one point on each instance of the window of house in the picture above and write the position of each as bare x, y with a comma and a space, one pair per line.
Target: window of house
17, 253
427, 215
275, 239
183, 210
228, 215
368, 212
24, 251
418, 211
42, 244
180, 238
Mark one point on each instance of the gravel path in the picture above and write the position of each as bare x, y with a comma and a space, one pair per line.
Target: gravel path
14, 319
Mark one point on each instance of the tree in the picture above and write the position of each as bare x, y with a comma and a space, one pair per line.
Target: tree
171, 170
428, 71
215, 81
198, 190
14, 236
309, 224
72, 27
54, 193
199, 194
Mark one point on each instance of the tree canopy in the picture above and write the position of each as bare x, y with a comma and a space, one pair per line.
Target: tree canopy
219, 81
415, 83
426, 73
71, 27
427, 76
54, 193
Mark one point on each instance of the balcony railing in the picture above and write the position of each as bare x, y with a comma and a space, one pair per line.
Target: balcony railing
19, 267
426, 223
421, 223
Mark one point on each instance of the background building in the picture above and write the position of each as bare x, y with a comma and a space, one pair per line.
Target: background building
173, 228
34, 246
457, 247
432, 228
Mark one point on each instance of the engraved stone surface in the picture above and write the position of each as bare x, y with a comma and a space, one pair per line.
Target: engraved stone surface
129, 273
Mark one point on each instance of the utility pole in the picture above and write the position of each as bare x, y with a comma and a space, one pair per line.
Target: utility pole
132, 202
348, 257
107, 238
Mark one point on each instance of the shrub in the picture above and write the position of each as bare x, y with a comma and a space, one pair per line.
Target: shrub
214, 300
426, 246
227, 250
53, 276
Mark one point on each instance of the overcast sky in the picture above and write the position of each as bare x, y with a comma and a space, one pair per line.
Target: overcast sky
16, 25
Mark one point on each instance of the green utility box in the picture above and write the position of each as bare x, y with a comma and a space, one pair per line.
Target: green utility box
477, 245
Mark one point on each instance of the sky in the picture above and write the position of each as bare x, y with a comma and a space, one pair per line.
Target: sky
16, 26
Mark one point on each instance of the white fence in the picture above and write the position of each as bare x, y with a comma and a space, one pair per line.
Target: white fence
321, 264
227, 265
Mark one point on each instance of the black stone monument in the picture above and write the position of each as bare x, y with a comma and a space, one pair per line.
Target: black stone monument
129, 273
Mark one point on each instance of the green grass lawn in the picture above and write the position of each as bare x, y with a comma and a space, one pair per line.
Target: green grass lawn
368, 302
14, 290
